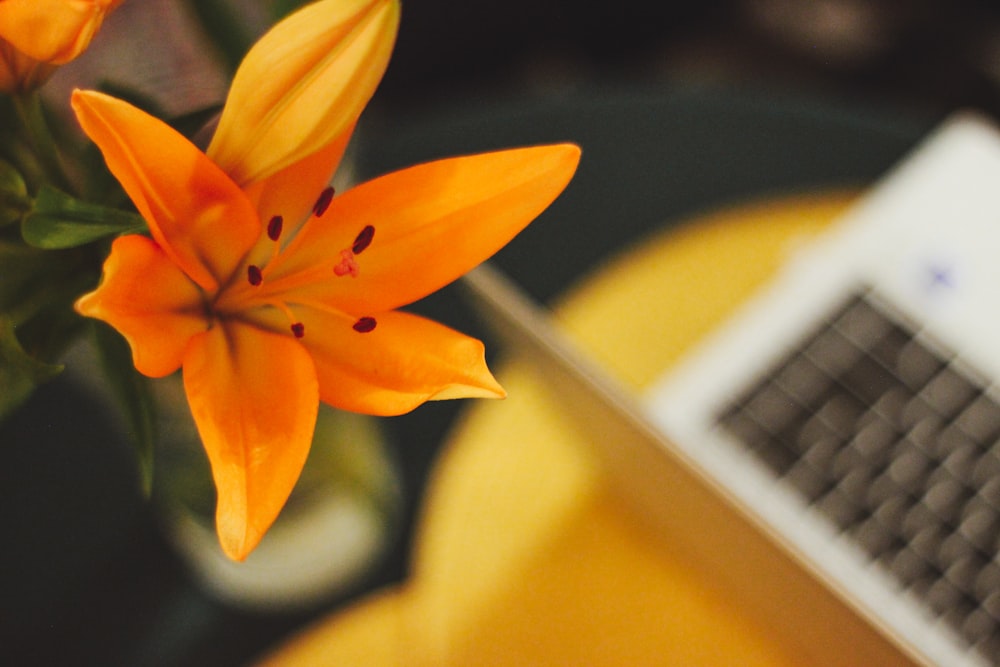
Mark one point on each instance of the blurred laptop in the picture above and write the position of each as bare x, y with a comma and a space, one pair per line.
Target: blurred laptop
854, 405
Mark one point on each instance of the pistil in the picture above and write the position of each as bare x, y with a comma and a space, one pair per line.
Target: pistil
347, 266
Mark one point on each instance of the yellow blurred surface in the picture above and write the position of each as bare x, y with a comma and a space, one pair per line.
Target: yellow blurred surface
524, 555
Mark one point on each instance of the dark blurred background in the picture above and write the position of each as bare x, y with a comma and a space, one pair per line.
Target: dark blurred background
88, 578
927, 55
931, 55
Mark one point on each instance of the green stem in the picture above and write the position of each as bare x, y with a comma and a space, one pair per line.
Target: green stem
43, 143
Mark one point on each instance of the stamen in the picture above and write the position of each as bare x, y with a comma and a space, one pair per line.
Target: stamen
363, 239
274, 227
297, 327
323, 202
254, 275
365, 324
347, 266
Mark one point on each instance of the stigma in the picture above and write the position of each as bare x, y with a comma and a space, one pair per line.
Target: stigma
348, 266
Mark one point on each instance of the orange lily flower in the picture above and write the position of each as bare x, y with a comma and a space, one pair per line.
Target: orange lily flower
267, 314
37, 35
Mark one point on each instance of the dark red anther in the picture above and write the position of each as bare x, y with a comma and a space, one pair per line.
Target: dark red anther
323, 203
363, 239
254, 275
299, 329
365, 324
274, 227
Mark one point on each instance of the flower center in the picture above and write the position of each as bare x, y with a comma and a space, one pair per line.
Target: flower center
257, 290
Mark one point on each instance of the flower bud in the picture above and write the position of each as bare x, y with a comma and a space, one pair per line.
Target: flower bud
38, 35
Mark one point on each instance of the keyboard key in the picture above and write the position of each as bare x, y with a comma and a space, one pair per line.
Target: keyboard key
896, 443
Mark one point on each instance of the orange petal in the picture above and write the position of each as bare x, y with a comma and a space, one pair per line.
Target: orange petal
200, 218
292, 192
433, 223
53, 31
254, 398
404, 361
302, 85
149, 301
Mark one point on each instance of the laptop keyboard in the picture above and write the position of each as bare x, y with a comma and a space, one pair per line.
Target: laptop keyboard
897, 443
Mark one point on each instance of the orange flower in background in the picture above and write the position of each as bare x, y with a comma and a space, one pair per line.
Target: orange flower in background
38, 35
270, 292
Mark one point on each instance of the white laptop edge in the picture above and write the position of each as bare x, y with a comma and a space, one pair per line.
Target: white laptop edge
927, 238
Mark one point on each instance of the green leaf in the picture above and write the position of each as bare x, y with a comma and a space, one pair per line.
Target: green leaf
19, 372
14, 200
57, 220
134, 396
